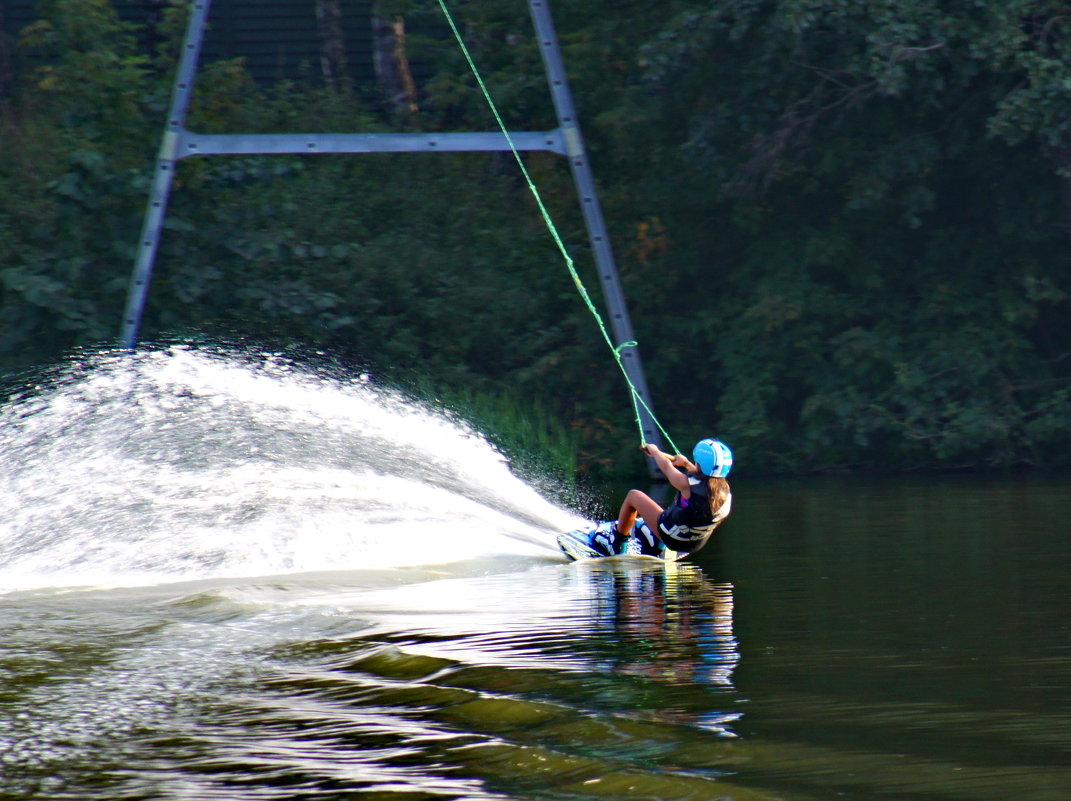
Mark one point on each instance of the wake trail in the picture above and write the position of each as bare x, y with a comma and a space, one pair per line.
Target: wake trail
179, 463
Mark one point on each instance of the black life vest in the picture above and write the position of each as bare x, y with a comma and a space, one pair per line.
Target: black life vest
687, 523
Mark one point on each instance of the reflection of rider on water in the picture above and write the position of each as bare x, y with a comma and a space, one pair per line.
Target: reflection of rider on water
680, 620
673, 627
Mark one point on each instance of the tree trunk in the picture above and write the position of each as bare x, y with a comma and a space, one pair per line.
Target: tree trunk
392, 63
333, 45
7, 59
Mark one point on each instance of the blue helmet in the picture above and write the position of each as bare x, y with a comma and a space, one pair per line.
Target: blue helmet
712, 457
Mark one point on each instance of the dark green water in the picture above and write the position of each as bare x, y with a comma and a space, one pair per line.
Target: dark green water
841, 639
899, 639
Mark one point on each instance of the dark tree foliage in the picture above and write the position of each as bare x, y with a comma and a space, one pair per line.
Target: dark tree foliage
843, 227
878, 201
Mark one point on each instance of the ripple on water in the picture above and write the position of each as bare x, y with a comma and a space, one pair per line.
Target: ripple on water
425, 699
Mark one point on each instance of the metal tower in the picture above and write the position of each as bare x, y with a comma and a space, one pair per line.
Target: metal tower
566, 140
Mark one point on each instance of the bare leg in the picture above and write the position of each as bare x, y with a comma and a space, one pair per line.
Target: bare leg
638, 502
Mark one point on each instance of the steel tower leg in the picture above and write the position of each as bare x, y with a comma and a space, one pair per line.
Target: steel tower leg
153, 225
584, 179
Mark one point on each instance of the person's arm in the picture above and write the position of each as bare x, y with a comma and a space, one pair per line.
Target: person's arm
668, 466
681, 461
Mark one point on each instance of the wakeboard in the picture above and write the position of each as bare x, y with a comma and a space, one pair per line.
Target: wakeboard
602, 542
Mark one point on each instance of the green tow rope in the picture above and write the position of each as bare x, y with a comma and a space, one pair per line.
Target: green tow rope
637, 399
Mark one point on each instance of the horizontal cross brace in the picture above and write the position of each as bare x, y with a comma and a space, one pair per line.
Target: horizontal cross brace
194, 144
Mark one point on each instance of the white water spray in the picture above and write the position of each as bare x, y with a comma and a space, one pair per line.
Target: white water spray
179, 464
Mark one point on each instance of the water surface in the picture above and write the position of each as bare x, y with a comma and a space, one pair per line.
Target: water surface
227, 578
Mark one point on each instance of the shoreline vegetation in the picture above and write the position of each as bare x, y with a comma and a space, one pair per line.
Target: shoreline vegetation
842, 229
